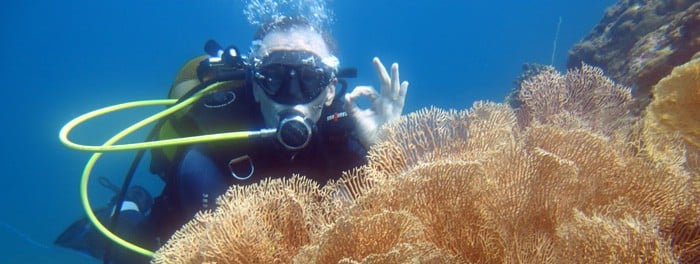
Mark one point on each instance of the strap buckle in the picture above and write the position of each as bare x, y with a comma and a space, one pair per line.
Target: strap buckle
236, 164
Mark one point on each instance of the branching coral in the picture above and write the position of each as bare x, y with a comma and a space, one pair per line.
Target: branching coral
581, 99
263, 223
676, 104
672, 137
600, 239
372, 237
553, 182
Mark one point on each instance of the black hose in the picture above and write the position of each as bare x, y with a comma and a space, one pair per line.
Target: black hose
121, 195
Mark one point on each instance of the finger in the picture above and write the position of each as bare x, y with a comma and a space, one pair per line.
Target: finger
383, 75
395, 84
401, 99
350, 99
360, 91
404, 89
381, 70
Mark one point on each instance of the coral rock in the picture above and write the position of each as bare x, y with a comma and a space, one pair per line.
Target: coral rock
639, 42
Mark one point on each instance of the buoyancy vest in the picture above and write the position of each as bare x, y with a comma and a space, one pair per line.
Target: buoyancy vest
334, 148
220, 106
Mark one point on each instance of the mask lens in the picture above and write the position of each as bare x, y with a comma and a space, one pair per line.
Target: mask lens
271, 77
293, 77
313, 80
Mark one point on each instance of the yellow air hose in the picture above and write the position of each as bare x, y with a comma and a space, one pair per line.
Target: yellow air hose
109, 146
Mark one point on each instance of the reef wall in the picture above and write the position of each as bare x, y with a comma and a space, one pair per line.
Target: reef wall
638, 42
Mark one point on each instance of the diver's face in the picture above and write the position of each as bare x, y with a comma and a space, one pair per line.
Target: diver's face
297, 84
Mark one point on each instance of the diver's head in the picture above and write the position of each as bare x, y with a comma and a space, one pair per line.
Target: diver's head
294, 72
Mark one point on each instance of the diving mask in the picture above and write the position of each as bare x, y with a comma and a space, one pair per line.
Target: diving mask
294, 77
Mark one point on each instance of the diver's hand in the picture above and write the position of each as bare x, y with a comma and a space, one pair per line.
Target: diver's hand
386, 105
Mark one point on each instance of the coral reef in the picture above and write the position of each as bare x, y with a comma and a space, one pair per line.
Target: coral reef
529, 70
676, 104
570, 177
638, 42
672, 136
263, 223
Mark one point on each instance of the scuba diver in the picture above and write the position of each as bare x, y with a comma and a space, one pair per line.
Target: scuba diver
290, 82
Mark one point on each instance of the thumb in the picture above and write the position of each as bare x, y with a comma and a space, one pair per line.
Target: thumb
351, 106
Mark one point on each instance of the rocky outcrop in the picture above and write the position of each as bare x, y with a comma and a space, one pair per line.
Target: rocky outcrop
638, 42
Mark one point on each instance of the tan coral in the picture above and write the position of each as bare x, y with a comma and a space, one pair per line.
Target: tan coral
355, 237
676, 103
447, 198
600, 239
185, 245
263, 223
672, 136
407, 253
474, 186
581, 99
438, 134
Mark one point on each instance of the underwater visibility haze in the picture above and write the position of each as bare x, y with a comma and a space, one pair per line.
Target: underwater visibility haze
65, 58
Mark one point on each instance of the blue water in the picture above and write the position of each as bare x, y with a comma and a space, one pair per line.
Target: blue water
64, 58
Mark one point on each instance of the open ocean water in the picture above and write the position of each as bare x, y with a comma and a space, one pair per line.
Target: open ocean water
64, 58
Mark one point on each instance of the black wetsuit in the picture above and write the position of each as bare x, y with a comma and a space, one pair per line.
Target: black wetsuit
202, 172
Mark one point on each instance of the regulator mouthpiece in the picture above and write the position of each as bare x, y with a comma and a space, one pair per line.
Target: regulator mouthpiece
294, 132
